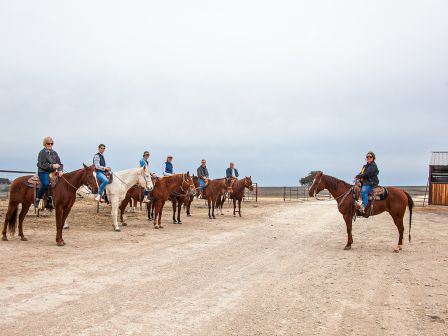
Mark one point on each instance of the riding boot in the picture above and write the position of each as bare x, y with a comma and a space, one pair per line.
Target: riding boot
50, 204
145, 199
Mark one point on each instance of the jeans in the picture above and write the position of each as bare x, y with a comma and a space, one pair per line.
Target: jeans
146, 192
201, 184
103, 180
365, 191
44, 178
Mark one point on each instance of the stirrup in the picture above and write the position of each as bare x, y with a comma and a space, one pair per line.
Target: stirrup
41, 205
50, 204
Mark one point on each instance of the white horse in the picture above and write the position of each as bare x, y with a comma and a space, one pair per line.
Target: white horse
121, 183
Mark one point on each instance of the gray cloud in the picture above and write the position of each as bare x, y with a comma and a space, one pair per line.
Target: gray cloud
280, 88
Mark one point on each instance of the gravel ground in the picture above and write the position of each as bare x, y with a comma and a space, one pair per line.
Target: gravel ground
279, 270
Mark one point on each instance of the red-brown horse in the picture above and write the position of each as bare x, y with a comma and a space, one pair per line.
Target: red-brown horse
237, 194
214, 190
64, 196
134, 195
395, 204
166, 187
179, 198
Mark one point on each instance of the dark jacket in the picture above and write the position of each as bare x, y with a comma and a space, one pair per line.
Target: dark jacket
370, 175
202, 172
46, 159
229, 172
99, 162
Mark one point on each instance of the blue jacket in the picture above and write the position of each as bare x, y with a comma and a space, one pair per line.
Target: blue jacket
168, 168
143, 163
229, 172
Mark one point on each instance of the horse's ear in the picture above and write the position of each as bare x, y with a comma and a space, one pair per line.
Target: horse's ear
188, 173
85, 167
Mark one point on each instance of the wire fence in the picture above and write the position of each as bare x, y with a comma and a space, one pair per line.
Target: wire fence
6, 178
287, 193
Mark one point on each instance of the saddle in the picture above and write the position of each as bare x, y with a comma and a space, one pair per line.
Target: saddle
34, 182
110, 176
379, 193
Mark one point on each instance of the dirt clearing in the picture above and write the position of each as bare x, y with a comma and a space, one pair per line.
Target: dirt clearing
279, 270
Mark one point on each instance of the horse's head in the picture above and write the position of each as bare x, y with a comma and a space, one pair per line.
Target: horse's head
187, 182
146, 179
191, 185
89, 178
318, 185
248, 183
228, 184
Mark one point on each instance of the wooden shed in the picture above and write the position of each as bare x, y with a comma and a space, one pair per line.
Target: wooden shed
438, 178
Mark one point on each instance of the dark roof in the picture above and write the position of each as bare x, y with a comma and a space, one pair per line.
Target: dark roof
4, 180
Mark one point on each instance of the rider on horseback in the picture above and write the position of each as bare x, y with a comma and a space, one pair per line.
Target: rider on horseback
144, 163
232, 171
48, 161
168, 169
101, 169
369, 179
202, 175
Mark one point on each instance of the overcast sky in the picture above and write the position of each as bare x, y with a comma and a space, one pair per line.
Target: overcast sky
279, 87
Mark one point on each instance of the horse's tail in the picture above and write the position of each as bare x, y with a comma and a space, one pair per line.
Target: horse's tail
12, 222
411, 206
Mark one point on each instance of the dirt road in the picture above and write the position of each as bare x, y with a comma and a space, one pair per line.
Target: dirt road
279, 270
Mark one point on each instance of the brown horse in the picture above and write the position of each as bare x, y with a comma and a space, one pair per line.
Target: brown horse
179, 198
395, 204
164, 188
237, 195
133, 196
214, 190
64, 196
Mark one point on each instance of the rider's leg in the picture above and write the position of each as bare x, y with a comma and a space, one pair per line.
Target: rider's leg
145, 196
365, 191
103, 180
201, 186
44, 178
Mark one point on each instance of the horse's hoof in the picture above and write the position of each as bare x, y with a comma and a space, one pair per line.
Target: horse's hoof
24, 238
4, 238
124, 224
188, 215
214, 217
174, 222
348, 247
66, 227
117, 229
179, 222
397, 249
156, 227
400, 247
60, 243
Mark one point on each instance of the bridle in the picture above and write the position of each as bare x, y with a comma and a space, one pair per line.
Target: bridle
146, 179
71, 185
343, 195
316, 185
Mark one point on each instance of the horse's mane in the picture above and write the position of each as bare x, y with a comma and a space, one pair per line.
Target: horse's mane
120, 172
335, 181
